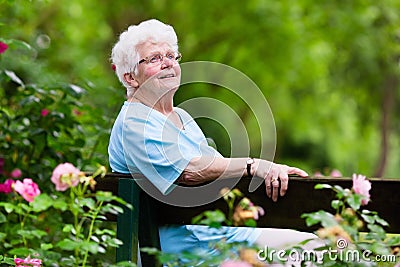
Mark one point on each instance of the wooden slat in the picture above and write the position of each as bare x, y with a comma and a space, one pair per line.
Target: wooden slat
300, 198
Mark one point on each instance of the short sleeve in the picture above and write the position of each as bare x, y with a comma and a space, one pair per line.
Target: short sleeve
158, 149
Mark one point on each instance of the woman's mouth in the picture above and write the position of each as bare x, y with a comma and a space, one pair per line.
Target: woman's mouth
167, 76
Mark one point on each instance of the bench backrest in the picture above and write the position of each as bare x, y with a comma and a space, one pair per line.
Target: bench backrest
141, 223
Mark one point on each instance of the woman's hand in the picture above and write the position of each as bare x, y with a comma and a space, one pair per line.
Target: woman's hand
275, 176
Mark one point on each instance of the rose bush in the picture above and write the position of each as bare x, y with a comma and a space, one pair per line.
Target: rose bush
59, 220
352, 230
43, 123
27, 262
80, 233
65, 176
360, 230
27, 189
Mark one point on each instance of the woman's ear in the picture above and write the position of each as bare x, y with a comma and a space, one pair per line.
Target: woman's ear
130, 79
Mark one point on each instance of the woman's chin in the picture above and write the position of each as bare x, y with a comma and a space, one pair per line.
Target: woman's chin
169, 84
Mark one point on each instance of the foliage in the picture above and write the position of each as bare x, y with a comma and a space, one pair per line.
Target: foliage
78, 214
41, 125
241, 212
44, 122
354, 236
326, 68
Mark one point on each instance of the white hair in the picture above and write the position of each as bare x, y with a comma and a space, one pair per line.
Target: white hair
125, 56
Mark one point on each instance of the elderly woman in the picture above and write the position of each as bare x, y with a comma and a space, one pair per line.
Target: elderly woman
164, 143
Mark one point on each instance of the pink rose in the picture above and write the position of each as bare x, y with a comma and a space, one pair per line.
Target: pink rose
257, 212
7, 187
31, 262
44, 112
336, 173
28, 189
64, 176
362, 186
16, 173
231, 263
318, 174
3, 47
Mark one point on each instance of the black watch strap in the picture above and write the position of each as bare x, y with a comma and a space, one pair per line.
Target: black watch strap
249, 163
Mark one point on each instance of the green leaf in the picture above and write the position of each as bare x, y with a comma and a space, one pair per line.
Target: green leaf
60, 204
381, 221
150, 251
105, 232
354, 200
112, 242
74, 90
21, 252
3, 218
31, 234
68, 244
90, 246
367, 218
211, 218
25, 207
88, 202
104, 196
41, 203
250, 223
2, 236
47, 246
338, 188
336, 204
364, 211
324, 218
394, 241
22, 44
8, 207
8, 261
14, 77
376, 229
322, 186
109, 208
68, 228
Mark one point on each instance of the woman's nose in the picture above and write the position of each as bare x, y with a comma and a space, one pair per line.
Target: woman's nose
166, 63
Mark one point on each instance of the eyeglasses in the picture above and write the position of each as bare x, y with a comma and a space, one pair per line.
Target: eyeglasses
158, 58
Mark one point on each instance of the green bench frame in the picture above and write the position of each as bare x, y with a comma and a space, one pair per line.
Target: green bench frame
140, 225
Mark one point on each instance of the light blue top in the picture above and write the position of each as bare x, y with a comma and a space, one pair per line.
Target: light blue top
143, 140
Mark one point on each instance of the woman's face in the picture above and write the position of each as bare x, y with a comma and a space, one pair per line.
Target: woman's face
161, 75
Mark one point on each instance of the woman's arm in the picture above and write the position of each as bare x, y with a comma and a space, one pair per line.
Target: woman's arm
204, 169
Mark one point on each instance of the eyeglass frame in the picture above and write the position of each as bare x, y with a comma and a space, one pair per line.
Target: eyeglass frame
177, 58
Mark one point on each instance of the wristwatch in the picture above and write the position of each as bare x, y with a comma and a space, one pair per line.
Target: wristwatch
249, 162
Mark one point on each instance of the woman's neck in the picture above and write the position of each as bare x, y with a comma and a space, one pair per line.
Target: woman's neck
164, 104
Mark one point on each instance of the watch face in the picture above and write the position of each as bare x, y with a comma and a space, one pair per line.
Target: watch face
250, 161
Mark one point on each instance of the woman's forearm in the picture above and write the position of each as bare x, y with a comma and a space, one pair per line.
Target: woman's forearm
204, 169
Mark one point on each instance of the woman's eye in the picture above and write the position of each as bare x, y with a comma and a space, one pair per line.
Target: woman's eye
170, 56
155, 58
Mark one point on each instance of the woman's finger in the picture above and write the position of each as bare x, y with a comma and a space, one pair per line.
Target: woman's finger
300, 172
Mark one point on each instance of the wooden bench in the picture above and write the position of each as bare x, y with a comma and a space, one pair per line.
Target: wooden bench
141, 223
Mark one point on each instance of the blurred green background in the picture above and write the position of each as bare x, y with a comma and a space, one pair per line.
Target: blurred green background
329, 69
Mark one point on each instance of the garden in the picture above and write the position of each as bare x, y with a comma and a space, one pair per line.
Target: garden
330, 73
